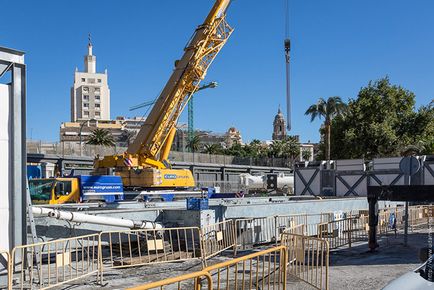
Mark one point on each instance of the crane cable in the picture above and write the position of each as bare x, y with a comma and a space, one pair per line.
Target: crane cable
287, 46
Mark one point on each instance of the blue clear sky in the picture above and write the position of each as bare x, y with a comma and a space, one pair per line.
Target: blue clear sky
337, 47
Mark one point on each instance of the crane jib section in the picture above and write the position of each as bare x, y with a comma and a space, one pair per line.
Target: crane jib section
189, 71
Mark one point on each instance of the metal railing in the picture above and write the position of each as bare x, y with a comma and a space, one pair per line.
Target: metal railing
337, 233
308, 259
266, 230
131, 248
188, 281
49, 264
309, 220
73, 149
217, 238
255, 231
298, 230
261, 270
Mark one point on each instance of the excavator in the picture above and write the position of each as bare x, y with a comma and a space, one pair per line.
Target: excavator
145, 163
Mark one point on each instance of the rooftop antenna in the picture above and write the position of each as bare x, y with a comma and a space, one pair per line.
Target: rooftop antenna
89, 38
287, 45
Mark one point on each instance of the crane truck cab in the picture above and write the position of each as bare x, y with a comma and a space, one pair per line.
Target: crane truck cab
76, 189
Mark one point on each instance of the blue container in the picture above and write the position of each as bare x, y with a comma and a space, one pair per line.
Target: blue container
194, 203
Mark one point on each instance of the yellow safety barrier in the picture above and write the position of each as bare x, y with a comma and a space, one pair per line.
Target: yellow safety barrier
308, 259
49, 264
261, 270
188, 281
359, 228
217, 238
130, 248
5, 269
298, 229
337, 233
310, 221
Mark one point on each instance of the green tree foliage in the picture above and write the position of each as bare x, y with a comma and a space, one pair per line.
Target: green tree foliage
306, 154
382, 122
213, 149
328, 110
194, 144
101, 137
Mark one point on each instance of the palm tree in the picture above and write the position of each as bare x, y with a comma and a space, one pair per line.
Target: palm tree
306, 154
194, 143
276, 148
334, 106
290, 147
212, 148
101, 137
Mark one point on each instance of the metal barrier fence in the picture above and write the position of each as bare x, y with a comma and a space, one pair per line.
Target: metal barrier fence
49, 264
311, 221
74, 149
266, 230
255, 231
5, 268
189, 281
308, 259
130, 248
261, 270
217, 238
337, 233
298, 229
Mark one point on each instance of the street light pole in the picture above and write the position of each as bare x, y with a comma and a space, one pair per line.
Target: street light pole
191, 110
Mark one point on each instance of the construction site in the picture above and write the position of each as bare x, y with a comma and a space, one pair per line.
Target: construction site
148, 210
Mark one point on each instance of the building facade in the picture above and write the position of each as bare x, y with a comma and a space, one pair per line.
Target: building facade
90, 94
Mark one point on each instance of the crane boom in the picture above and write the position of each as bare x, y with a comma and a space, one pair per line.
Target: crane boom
151, 147
207, 41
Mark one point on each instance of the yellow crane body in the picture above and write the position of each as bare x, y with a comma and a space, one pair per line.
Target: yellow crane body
145, 163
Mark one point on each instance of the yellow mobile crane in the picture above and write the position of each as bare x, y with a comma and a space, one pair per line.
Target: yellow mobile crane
145, 163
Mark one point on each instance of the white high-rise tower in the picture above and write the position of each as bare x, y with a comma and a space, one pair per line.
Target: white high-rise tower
90, 95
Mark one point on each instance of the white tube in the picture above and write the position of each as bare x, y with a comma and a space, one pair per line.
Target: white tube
93, 219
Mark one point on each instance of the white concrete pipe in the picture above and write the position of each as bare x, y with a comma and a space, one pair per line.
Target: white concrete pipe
93, 219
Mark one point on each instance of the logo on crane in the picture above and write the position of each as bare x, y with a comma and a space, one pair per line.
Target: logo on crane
170, 176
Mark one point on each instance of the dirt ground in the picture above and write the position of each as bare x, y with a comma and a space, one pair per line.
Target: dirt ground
350, 268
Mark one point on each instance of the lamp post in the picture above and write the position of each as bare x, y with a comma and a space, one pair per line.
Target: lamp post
190, 109
79, 133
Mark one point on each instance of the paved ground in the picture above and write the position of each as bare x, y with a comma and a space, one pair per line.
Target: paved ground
351, 268
356, 268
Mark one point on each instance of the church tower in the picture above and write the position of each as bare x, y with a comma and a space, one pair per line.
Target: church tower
279, 126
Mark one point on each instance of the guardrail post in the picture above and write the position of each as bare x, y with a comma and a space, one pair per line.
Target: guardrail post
100, 264
276, 230
234, 230
285, 266
202, 248
350, 231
